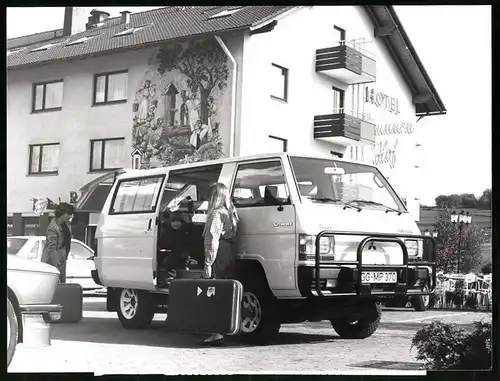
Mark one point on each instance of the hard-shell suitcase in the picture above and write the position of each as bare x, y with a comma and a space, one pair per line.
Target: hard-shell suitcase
70, 296
205, 305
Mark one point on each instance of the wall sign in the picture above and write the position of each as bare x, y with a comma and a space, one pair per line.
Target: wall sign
385, 154
400, 128
382, 100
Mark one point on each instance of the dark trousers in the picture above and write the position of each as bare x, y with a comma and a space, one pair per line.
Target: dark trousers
223, 267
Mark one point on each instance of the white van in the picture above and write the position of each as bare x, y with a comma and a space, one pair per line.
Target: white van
320, 239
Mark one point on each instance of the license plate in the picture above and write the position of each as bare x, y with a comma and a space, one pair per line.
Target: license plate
379, 277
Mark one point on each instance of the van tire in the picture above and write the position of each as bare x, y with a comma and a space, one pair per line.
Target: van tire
261, 304
135, 308
362, 328
421, 303
12, 331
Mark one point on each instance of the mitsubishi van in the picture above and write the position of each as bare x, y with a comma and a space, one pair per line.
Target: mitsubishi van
319, 239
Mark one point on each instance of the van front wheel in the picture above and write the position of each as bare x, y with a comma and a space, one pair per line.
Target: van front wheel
260, 315
135, 308
362, 328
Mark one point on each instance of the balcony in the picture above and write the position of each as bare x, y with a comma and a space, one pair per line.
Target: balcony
344, 127
347, 62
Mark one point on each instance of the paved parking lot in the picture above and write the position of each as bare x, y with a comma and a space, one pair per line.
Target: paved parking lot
99, 344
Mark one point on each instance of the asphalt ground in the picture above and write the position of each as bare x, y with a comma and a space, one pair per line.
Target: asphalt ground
99, 344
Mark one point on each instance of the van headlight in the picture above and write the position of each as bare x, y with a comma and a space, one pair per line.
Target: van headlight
412, 247
307, 246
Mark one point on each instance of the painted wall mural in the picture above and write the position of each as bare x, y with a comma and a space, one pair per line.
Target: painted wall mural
180, 106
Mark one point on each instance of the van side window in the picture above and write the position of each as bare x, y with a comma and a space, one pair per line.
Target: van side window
137, 196
260, 184
185, 185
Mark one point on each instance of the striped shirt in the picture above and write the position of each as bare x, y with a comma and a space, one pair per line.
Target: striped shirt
219, 226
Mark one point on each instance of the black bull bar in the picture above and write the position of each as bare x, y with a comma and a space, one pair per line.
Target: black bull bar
402, 285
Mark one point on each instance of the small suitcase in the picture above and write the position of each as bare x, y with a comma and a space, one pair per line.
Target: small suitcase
70, 296
205, 305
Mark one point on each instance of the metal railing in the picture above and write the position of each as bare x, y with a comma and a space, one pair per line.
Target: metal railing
359, 44
402, 283
356, 114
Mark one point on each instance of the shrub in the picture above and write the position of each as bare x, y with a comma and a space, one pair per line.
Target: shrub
446, 346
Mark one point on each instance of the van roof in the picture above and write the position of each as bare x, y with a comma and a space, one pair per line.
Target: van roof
131, 173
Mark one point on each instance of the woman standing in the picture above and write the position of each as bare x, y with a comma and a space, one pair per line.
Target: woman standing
58, 239
220, 231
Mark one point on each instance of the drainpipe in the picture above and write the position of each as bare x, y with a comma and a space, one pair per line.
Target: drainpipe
233, 94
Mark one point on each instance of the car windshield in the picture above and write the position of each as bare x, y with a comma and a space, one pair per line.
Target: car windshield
360, 185
15, 244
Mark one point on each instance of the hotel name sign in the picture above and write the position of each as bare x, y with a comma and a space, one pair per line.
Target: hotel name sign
381, 100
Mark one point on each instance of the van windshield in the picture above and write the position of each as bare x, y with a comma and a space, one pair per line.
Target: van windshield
360, 185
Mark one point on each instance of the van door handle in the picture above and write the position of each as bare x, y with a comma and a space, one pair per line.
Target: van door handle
149, 223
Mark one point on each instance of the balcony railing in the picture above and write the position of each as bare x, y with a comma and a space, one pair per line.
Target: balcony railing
345, 127
347, 61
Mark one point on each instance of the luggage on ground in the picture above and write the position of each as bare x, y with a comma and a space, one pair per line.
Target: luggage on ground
205, 305
70, 296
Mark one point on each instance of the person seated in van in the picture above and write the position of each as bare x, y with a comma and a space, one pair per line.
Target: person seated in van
175, 240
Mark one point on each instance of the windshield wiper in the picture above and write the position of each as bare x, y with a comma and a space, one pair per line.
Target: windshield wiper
388, 208
336, 200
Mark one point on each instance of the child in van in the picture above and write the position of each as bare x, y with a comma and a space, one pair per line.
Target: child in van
174, 239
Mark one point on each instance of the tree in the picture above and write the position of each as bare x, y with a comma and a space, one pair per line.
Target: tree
485, 200
486, 269
447, 244
203, 62
452, 201
468, 200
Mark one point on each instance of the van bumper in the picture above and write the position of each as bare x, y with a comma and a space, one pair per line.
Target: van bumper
95, 277
341, 278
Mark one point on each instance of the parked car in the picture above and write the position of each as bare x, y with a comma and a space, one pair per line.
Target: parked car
80, 260
30, 289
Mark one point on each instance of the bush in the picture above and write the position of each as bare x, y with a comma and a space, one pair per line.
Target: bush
446, 346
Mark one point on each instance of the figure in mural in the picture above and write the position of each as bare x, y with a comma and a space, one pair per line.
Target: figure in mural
188, 79
145, 94
184, 109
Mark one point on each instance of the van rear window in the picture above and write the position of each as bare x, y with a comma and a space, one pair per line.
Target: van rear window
137, 196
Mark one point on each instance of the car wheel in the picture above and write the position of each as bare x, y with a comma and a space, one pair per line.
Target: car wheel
260, 322
421, 302
12, 331
361, 328
135, 308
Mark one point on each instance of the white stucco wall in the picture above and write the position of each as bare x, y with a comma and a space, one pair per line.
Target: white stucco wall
292, 44
72, 127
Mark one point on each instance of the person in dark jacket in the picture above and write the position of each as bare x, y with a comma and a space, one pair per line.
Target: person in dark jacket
58, 239
175, 241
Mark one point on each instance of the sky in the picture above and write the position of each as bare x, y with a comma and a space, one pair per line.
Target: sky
454, 45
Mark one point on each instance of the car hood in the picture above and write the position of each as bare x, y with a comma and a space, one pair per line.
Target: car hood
21, 264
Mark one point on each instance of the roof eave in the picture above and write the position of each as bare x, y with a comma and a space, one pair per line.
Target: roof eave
418, 62
435, 106
118, 50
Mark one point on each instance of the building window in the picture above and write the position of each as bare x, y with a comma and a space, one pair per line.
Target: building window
47, 96
279, 83
278, 144
338, 100
110, 87
106, 154
44, 159
339, 35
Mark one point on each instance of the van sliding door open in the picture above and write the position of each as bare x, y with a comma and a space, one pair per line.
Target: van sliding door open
129, 234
